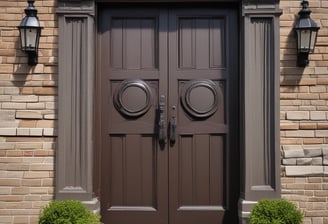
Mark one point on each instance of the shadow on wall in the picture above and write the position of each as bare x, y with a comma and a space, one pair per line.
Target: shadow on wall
290, 73
43, 75
22, 71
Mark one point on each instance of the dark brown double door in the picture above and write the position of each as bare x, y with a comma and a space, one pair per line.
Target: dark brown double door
168, 109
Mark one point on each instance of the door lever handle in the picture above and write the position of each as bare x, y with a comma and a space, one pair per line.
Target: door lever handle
161, 122
173, 126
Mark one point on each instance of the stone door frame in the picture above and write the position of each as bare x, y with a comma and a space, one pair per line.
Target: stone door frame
259, 94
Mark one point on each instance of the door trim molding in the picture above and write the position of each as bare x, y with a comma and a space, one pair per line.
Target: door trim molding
254, 14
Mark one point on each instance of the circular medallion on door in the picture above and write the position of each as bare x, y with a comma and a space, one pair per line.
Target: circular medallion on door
133, 98
200, 98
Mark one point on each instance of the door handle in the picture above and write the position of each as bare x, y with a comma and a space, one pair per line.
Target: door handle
173, 126
161, 122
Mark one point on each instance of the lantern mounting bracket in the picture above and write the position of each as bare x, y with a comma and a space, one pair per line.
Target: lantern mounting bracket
32, 58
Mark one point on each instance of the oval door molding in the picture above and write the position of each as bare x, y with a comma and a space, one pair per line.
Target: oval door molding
200, 98
133, 98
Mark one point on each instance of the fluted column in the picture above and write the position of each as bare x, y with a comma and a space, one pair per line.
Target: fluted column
75, 96
260, 58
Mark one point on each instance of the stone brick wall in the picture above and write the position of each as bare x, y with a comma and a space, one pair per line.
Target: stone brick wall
304, 116
27, 115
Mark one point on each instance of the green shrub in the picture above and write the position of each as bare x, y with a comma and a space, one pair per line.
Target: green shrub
277, 211
67, 212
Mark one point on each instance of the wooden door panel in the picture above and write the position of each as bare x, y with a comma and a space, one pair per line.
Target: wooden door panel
132, 163
200, 84
200, 185
195, 98
133, 44
201, 42
133, 98
134, 179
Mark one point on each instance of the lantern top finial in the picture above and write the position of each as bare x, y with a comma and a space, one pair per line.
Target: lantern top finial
305, 4
305, 11
304, 21
31, 19
30, 10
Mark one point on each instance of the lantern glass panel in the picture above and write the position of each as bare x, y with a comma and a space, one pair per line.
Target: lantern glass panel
313, 40
22, 38
304, 40
31, 37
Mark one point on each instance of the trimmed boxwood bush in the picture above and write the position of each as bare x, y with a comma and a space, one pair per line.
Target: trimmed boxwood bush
278, 211
67, 212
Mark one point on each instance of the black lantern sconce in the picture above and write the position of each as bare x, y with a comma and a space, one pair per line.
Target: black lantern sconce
30, 32
306, 31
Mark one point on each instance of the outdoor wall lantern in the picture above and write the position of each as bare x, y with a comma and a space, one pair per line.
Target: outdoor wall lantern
30, 31
306, 31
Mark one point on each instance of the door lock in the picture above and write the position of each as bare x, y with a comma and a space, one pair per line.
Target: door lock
162, 131
161, 122
173, 125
